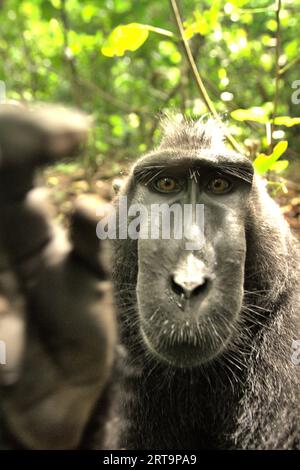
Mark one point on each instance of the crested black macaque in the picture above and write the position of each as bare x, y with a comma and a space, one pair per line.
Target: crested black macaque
207, 333
204, 357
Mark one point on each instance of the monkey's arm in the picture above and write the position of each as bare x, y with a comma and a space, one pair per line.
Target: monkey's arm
56, 313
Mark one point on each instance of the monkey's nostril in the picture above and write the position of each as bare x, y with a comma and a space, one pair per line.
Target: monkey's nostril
188, 289
176, 287
200, 289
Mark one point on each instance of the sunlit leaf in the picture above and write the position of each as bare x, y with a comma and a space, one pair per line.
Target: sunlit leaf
87, 12
279, 166
286, 121
264, 163
118, 125
239, 3
214, 13
280, 148
271, 24
121, 6
56, 3
129, 37
198, 25
125, 38
256, 114
169, 49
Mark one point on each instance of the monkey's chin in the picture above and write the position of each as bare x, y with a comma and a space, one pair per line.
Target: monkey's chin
182, 355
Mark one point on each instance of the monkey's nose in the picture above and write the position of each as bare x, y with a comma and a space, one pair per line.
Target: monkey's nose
190, 277
188, 288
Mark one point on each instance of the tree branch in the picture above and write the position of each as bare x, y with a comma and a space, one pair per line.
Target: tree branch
277, 68
289, 65
70, 60
197, 77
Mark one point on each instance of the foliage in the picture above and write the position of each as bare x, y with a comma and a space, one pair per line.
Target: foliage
125, 38
264, 163
129, 38
122, 61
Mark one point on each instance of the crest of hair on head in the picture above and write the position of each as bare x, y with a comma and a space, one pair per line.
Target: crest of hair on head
178, 131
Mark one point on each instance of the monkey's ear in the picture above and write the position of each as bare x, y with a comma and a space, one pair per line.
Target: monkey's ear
117, 184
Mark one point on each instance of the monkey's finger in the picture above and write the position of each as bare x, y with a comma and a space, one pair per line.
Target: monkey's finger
88, 212
25, 227
44, 410
50, 269
33, 137
39, 135
12, 326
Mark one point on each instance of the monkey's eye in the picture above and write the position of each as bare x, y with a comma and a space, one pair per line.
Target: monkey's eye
167, 185
219, 185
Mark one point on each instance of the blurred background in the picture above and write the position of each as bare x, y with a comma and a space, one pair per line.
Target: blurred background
122, 61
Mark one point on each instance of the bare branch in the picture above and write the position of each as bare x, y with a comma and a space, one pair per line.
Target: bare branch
197, 77
277, 68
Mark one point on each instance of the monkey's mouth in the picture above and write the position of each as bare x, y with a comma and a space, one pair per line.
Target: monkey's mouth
190, 334
184, 348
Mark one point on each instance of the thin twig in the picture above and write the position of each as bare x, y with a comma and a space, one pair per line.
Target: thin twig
289, 65
197, 77
277, 68
109, 98
70, 59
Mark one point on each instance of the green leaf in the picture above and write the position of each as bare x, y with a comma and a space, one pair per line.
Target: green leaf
264, 163
277, 186
214, 13
169, 49
256, 114
129, 37
199, 26
125, 38
239, 3
87, 12
279, 149
279, 166
286, 121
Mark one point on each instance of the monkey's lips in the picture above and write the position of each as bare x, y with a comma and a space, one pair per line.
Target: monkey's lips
189, 349
190, 334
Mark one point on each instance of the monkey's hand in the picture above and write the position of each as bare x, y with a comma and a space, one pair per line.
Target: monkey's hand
57, 326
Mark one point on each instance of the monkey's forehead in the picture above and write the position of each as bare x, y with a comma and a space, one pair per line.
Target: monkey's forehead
196, 158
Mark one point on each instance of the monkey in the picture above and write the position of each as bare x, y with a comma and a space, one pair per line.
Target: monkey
203, 358
56, 307
207, 334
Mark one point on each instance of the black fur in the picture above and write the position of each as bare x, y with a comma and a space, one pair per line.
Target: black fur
248, 398
245, 397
